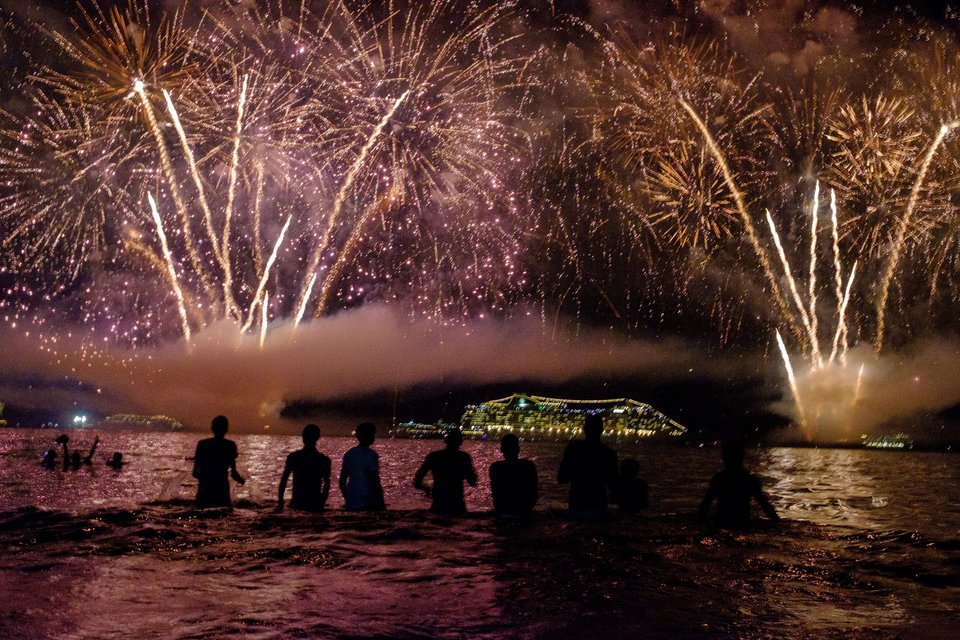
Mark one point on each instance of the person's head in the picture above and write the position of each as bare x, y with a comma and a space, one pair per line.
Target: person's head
629, 468
116, 458
593, 426
453, 438
311, 433
63, 439
219, 426
510, 446
366, 433
733, 454
49, 456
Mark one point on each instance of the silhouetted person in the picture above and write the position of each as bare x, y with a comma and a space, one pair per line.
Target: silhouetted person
360, 473
513, 482
450, 467
213, 459
116, 460
632, 493
591, 469
311, 474
49, 460
733, 489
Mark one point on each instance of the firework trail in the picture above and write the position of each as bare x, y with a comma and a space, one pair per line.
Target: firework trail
171, 270
904, 223
338, 202
745, 219
261, 287
792, 378
812, 279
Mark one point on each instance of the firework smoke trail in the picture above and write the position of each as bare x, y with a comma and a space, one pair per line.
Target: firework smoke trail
338, 203
171, 271
792, 283
191, 161
792, 378
904, 223
266, 275
139, 88
812, 284
744, 216
838, 280
231, 194
841, 331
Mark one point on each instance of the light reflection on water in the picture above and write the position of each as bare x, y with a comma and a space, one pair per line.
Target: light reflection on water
871, 549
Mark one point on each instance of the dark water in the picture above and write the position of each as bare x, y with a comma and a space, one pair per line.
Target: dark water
871, 549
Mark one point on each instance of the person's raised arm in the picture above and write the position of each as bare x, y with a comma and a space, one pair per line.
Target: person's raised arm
283, 485
89, 458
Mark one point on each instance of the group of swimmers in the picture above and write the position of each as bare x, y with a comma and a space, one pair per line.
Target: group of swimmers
74, 461
588, 466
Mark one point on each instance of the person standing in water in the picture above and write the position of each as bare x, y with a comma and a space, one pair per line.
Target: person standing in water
214, 458
513, 482
591, 469
360, 473
450, 467
733, 488
311, 475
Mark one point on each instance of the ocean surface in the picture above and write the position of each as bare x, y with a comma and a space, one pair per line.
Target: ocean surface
870, 548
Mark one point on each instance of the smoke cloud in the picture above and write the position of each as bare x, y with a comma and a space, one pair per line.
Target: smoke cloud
896, 391
351, 354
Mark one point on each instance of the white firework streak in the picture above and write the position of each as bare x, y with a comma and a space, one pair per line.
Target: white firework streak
261, 287
792, 283
171, 270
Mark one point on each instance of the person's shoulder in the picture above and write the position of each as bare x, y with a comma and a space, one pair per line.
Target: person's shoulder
527, 463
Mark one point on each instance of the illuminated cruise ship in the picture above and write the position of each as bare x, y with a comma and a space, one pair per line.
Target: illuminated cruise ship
541, 418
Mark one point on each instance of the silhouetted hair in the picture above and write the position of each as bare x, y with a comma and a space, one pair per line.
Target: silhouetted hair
733, 454
629, 468
366, 433
311, 433
219, 425
510, 446
453, 437
593, 425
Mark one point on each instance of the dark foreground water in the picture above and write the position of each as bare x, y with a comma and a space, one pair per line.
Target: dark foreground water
870, 549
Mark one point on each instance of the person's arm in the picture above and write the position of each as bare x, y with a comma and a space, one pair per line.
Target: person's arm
421, 474
197, 461
283, 484
470, 472
89, 458
66, 455
233, 467
704, 511
344, 474
563, 472
764, 502
325, 481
